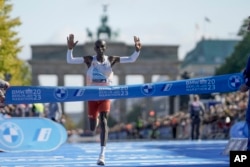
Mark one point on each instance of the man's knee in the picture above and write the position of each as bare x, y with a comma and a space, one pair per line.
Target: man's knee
103, 116
103, 119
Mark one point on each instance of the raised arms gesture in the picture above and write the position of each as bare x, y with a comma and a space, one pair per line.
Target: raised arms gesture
137, 43
70, 41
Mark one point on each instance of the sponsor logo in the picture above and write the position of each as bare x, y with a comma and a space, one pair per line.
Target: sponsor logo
167, 87
147, 89
234, 82
79, 92
11, 135
98, 76
43, 134
61, 93
26, 94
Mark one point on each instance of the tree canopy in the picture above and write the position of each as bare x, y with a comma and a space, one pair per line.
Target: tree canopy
237, 61
11, 67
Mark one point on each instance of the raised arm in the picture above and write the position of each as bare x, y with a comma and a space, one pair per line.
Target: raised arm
135, 55
70, 58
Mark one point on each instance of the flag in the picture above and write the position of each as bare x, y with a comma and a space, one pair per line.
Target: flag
207, 19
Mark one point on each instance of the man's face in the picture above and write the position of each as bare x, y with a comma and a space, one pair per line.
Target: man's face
100, 47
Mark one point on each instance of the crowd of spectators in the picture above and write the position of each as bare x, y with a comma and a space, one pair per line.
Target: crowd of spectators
220, 114
51, 111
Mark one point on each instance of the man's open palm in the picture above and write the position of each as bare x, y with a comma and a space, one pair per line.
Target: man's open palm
70, 41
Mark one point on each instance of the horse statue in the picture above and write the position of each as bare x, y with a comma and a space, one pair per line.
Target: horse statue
104, 28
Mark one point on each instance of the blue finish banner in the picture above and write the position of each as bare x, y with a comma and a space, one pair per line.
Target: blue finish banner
44, 94
30, 134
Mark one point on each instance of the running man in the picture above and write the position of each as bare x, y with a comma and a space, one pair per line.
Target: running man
100, 73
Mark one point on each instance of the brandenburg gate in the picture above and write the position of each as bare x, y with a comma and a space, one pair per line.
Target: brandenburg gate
153, 60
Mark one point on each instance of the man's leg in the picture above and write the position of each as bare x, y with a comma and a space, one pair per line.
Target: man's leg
92, 114
197, 130
103, 136
92, 124
104, 128
192, 129
104, 108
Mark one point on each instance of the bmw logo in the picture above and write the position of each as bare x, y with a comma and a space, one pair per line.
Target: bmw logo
234, 82
11, 135
61, 93
148, 89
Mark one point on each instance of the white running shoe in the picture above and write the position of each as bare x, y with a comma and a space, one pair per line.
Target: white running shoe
101, 160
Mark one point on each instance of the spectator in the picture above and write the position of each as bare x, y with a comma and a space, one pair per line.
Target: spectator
196, 110
3, 86
139, 127
174, 124
38, 110
54, 112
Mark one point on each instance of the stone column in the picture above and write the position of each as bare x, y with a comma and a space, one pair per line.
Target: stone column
60, 81
122, 102
148, 100
177, 98
174, 101
35, 79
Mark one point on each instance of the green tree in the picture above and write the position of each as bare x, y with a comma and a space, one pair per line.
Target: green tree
237, 61
9, 62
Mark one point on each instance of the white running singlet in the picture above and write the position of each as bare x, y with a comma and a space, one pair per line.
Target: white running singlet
100, 73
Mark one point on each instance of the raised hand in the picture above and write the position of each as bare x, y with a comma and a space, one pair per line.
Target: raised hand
137, 43
70, 41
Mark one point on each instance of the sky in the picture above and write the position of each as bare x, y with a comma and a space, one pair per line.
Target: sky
156, 22
164, 22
